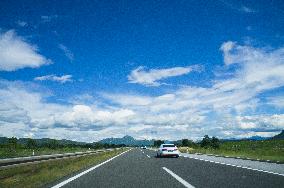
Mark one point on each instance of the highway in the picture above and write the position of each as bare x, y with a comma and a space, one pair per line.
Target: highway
140, 168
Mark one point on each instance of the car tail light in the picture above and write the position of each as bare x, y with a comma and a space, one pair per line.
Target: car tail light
164, 149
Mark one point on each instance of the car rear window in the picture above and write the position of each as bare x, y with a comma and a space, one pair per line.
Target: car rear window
168, 146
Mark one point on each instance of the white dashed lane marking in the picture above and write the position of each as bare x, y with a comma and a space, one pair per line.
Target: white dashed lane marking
182, 181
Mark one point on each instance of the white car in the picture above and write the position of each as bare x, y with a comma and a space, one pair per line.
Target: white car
143, 147
168, 150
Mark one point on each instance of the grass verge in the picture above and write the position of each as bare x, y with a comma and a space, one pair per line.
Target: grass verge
41, 174
272, 150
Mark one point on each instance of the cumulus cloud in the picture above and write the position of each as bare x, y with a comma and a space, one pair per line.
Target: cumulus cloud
227, 108
35, 115
152, 76
52, 77
261, 123
67, 52
16, 53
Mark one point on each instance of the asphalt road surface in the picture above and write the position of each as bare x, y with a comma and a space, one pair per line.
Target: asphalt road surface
140, 168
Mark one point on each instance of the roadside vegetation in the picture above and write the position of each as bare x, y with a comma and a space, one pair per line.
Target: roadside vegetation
43, 174
272, 149
12, 147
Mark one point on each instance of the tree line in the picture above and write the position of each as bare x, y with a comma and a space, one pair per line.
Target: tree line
13, 144
206, 142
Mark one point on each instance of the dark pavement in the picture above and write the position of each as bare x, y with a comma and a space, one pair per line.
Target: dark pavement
135, 169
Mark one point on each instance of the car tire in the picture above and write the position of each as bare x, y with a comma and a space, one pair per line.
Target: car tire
177, 156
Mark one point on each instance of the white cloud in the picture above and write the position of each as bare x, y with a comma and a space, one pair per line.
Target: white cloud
49, 18
129, 100
243, 9
277, 101
152, 76
247, 9
261, 122
16, 53
52, 77
67, 52
35, 115
22, 23
225, 109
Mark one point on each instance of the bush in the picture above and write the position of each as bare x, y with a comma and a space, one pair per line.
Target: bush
157, 143
210, 142
31, 144
187, 143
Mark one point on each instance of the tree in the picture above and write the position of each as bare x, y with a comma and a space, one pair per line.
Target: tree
185, 142
157, 143
206, 141
215, 143
12, 143
52, 144
31, 143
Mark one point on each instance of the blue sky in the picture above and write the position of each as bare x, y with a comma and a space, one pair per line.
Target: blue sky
86, 70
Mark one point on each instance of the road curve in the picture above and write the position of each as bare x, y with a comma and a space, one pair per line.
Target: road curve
140, 168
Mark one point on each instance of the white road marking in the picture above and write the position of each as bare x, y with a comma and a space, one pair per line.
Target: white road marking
85, 172
148, 156
182, 181
244, 167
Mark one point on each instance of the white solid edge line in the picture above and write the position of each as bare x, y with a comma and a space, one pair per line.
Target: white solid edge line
244, 167
86, 171
182, 181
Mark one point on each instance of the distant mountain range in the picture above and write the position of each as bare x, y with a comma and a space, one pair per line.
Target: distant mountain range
130, 141
279, 136
127, 140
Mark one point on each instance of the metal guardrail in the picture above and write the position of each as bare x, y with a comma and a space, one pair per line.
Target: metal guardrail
23, 160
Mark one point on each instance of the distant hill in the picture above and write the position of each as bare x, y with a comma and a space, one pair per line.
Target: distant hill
43, 141
279, 136
257, 138
127, 140
253, 138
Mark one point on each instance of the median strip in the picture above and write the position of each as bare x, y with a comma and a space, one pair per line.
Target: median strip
182, 181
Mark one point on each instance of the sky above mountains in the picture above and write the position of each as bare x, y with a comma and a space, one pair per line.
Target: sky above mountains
87, 70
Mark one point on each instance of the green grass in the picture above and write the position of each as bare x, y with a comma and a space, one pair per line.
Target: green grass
22, 152
41, 174
265, 150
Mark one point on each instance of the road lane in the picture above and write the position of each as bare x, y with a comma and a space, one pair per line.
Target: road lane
133, 169
141, 168
206, 174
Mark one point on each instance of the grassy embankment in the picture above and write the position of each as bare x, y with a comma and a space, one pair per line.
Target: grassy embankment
41, 174
22, 152
265, 150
